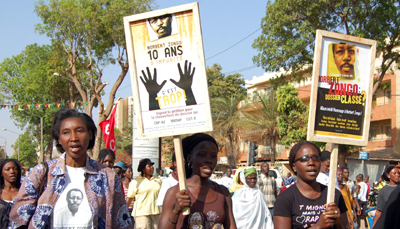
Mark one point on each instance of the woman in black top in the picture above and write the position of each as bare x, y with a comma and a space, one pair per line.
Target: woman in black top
303, 205
10, 182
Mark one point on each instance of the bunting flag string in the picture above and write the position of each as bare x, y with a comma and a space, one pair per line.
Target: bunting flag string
42, 105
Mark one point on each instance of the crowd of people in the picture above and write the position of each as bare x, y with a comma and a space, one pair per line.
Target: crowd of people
75, 191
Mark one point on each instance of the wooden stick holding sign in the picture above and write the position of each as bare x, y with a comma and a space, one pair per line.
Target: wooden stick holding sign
332, 173
180, 162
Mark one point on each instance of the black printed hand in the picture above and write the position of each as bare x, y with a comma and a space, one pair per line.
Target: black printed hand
185, 82
152, 87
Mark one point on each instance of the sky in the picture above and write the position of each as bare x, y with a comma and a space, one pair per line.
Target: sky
228, 28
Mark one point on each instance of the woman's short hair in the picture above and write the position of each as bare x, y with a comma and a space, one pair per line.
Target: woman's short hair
65, 113
2, 164
104, 153
387, 170
189, 143
295, 148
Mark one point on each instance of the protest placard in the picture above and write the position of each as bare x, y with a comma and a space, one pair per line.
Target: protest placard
168, 75
167, 69
341, 94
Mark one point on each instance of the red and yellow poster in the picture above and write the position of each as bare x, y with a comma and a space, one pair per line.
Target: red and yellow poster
167, 70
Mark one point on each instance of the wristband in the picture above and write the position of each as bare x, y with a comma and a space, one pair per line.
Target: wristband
169, 219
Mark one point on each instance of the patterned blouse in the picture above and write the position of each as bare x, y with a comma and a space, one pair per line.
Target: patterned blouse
103, 190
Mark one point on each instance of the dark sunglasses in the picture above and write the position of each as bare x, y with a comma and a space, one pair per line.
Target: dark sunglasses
307, 158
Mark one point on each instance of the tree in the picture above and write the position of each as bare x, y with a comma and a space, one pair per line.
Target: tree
227, 126
27, 78
27, 149
3, 154
292, 123
89, 31
289, 30
221, 86
225, 93
261, 116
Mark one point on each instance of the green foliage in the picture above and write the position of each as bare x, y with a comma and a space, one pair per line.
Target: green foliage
123, 140
90, 32
27, 78
227, 125
28, 149
289, 30
225, 93
292, 123
261, 116
221, 86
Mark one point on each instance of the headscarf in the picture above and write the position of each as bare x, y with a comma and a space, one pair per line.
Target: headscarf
235, 183
250, 209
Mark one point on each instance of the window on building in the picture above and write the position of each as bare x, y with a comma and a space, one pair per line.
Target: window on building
380, 130
383, 95
373, 131
387, 97
387, 132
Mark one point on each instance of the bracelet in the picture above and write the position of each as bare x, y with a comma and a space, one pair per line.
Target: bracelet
169, 219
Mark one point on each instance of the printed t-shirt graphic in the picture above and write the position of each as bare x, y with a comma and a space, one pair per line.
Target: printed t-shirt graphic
72, 209
303, 211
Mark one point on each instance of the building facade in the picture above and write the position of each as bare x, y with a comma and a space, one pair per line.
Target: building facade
124, 112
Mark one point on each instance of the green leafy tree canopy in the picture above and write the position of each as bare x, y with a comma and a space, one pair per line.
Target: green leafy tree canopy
292, 123
289, 30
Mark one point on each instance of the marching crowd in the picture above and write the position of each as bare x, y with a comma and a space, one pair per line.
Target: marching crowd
75, 191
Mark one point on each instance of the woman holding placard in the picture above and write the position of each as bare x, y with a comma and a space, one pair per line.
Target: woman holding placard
210, 203
303, 205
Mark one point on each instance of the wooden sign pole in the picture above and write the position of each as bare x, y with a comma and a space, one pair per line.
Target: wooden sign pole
332, 172
180, 162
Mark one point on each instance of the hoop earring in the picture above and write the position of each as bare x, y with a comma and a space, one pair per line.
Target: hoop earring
190, 165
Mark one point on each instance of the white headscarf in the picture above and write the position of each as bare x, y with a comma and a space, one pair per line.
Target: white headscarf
250, 208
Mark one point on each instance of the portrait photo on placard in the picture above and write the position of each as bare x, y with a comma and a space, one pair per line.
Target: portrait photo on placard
162, 26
